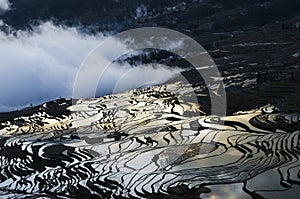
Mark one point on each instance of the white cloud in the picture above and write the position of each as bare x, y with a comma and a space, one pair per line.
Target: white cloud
4, 5
41, 65
141, 12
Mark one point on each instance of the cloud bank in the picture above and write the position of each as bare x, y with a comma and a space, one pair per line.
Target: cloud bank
41, 65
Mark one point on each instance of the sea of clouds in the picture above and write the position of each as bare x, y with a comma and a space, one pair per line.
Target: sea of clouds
41, 65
